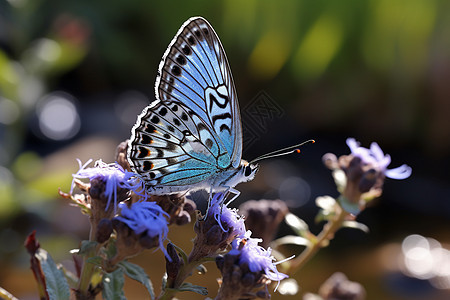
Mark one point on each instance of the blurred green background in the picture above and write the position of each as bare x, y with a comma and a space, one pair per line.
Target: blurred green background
75, 74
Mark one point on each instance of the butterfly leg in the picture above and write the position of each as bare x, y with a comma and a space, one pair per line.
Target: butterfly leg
232, 191
209, 202
229, 190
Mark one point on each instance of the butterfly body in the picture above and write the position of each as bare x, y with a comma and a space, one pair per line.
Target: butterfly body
190, 138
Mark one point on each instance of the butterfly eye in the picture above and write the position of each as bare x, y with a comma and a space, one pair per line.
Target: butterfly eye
247, 171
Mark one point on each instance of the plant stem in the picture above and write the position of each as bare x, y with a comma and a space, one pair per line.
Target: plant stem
87, 270
321, 241
186, 271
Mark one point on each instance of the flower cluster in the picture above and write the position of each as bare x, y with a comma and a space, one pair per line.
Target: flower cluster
360, 175
139, 225
247, 269
147, 219
217, 229
256, 257
108, 181
125, 221
376, 158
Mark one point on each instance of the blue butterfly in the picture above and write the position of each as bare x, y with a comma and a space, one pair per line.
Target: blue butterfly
190, 138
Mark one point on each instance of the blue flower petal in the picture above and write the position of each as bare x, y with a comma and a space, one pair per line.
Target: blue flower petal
401, 172
375, 156
146, 217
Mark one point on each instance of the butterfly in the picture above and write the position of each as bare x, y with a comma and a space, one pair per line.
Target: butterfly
190, 137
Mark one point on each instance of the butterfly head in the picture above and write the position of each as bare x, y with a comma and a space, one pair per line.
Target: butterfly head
248, 170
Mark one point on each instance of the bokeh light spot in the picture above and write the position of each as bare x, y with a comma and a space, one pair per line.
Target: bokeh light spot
48, 50
425, 258
58, 117
294, 191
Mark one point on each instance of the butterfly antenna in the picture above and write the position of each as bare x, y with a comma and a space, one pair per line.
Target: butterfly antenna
281, 152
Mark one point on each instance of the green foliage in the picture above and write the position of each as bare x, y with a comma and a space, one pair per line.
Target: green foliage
86, 247
113, 285
56, 283
137, 273
189, 287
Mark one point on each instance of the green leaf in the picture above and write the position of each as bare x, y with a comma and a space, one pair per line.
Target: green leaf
137, 273
298, 225
72, 279
111, 249
324, 215
113, 285
55, 281
95, 260
326, 203
186, 286
340, 179
86, 247
356, 225
290, 239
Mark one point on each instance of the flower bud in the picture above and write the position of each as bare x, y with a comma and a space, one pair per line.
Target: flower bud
365, 171
338, 287
173, 265
104, 230
263, 217
141, 226
217, 229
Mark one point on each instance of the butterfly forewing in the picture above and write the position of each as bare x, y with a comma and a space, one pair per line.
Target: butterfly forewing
166, 148
195, 71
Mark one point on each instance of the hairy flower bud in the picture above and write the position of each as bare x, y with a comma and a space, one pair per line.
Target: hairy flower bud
247, 270
263, 217
141, 226
217, 229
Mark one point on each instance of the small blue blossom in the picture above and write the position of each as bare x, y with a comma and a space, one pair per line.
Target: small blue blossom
375, 156
146, 217
256, 257
223, 214
114, 177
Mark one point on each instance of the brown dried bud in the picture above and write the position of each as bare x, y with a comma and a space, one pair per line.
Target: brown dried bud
104, 230
128, 243
263, 218
330, 161
338, 287
238, 282
362, 178
121, 155
172, 267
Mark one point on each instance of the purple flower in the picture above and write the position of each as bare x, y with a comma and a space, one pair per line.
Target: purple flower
145, 217
256, 257
229, 216
375, 156
114, 177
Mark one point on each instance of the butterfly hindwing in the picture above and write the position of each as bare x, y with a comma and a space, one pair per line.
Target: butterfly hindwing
195, 72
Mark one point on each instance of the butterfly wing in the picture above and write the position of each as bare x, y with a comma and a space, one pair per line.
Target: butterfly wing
194, 71
171, 146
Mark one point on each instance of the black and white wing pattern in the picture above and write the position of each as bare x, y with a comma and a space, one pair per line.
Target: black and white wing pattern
192, 132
